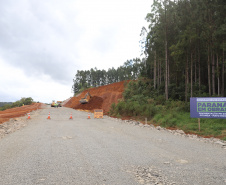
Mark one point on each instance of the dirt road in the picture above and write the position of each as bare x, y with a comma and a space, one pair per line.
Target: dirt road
104, 151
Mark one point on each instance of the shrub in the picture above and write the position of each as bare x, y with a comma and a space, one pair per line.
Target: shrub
172, 122
7, 106
151, 101
160, 100
19, 103
120, 107
112, 109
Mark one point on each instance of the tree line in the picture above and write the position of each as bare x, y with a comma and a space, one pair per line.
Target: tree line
185, 47
19, 103
184, 52
130, 70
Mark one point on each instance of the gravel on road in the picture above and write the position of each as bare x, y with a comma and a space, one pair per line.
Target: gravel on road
105, 151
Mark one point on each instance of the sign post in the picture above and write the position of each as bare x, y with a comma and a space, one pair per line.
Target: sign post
199, 123
208, 108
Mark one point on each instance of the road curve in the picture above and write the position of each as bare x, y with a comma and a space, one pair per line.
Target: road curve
103, 151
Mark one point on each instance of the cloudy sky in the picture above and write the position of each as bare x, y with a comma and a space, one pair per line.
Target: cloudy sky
44, 43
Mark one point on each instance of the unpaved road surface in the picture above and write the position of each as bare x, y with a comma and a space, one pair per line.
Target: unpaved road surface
103, 151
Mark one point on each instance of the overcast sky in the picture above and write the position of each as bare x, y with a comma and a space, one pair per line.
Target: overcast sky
44, 43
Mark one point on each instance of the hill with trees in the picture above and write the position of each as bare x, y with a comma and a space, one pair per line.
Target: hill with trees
19, 103
183, 56
5, 103
130, 70
184, 52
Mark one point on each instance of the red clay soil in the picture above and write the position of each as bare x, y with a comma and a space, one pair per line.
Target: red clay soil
18, 111
102, 97
94, 103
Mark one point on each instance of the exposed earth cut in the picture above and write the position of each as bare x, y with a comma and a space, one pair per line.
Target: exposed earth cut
18, 111
102, 97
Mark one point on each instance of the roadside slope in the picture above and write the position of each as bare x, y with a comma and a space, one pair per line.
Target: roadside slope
102, 97
18, 111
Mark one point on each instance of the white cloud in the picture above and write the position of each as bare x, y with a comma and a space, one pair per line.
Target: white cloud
15, 85
44, 43
115, 27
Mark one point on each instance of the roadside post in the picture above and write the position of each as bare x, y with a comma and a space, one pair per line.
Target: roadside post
199, 123
208, 107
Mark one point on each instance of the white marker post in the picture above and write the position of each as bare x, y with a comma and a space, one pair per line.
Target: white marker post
199, 123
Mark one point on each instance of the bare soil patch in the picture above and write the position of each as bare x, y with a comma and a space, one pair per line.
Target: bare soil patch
102, 97
18, 111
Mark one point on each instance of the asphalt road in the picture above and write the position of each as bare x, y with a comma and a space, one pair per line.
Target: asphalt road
85, 151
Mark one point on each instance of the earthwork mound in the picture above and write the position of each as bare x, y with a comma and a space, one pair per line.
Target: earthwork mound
102, 97
94, 103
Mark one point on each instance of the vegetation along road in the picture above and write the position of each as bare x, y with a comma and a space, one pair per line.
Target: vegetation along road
104, 151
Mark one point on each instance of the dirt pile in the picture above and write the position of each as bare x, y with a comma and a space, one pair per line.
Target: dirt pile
94, 103
102, 97
18, 111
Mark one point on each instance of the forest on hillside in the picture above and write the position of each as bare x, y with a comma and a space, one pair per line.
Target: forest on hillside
130, 70
183, 52
5, 103
18, 103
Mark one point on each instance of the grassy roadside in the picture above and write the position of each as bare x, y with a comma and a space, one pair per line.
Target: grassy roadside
182, 120
139, 103
174, 118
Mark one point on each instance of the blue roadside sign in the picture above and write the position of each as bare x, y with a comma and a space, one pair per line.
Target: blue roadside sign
208, 107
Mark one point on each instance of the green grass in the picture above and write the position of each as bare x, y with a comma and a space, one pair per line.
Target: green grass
171, 116
181, 120
140, 101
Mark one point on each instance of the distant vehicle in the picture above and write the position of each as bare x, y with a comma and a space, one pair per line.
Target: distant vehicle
59, 103
86, 98
53, 103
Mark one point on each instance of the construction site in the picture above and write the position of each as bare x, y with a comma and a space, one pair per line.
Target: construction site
99, 98
69, 145
93, 98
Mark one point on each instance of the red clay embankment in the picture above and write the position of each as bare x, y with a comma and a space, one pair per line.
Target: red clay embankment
18, 111
102, 97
